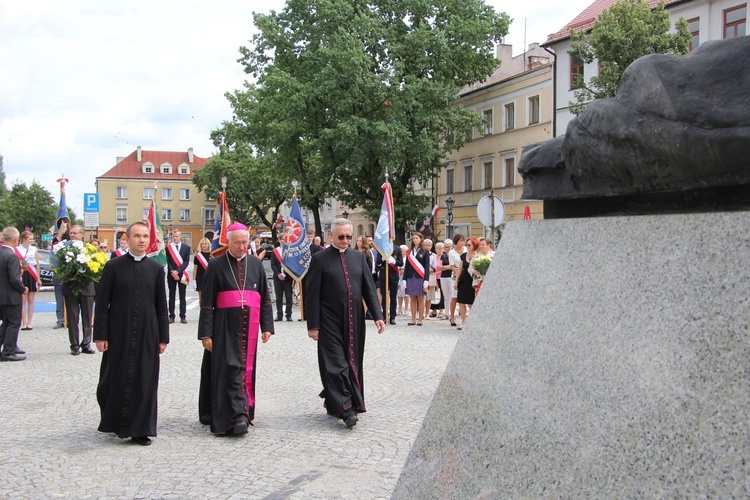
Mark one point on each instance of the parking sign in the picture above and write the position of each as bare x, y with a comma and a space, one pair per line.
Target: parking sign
91, 202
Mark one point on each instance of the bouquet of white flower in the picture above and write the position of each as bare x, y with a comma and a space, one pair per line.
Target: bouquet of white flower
77, 263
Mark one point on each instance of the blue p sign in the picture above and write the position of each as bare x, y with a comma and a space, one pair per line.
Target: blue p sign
91, 202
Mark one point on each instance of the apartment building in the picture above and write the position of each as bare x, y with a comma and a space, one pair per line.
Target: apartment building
126, 190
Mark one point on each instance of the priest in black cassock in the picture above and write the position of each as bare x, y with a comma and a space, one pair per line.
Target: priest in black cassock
235, 303
337, 281
131, 328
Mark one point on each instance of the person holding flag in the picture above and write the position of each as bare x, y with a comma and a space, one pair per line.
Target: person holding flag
61, 232
282, 285
387, 252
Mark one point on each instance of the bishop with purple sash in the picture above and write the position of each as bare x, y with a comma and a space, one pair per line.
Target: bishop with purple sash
235, 303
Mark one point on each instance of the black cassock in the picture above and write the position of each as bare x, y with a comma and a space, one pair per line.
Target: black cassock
335, 286
231, 318
131, 314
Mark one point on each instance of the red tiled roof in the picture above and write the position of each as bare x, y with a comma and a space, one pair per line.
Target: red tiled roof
586, 19
130, 168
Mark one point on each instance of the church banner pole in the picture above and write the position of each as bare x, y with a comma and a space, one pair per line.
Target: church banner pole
301, 300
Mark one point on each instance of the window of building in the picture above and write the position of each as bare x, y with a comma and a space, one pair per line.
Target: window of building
468, 177
576, 73
166, 193
450, 179
121, 215
145, 213
694, 28
210, 198
533, 110
510, 116
166, 168
184, 170
148, 193
360, 230
166, 214
148, 168
488, 121
510, 171
184, 214
210, 216
488, 168
184, 193
371, 229
735, 21
121, 192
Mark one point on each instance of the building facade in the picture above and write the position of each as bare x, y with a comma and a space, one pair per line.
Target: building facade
707, 20
516, 106
126, 190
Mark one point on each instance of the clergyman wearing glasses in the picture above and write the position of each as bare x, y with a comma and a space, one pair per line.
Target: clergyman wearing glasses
337, 282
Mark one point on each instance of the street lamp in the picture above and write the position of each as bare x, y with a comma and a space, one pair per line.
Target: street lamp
345, 215
449, 217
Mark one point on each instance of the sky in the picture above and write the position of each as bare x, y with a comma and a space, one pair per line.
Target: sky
85, 82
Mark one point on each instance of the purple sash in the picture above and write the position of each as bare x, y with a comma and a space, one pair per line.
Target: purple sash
251, 299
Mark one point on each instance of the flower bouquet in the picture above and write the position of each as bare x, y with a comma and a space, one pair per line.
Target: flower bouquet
481, 265
77, 264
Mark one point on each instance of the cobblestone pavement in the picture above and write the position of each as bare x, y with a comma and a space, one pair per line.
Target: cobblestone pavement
52, 448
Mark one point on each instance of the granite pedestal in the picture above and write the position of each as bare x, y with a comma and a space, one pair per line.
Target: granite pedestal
605, 357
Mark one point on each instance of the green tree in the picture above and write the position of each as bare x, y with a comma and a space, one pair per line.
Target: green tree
30, 206
626, 31
347, 90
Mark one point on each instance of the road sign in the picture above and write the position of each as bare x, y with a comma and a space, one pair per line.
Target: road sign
91, 203
484, 211
46, 237
449, 217
91, 219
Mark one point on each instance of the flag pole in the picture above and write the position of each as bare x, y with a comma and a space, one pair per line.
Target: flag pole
387, 268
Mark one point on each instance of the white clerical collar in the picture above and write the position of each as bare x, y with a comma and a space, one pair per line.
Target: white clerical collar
237, 258
137, 258
342, 250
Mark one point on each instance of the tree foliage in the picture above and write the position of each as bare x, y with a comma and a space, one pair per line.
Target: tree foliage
626, 31
28, 206
346, 90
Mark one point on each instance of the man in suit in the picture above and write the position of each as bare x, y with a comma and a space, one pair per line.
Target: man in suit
395, 261
79, 306
11, 293
178, 258
282, 284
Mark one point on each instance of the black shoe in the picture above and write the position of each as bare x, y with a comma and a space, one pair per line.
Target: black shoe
289, 319
12, 357
171, 320
75, 351
57, 327
300, 319
87, 350
279, 318
240, 428
350, 418
18, 350
141, 440
183, 321
393, 321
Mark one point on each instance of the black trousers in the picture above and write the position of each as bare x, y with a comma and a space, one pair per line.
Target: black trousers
11, 324
283, 290
393, 289
79, 307
173, 284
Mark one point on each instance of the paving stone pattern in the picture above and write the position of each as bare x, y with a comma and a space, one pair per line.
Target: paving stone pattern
52, 448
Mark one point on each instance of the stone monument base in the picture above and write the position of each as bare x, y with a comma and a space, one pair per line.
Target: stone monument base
605, 357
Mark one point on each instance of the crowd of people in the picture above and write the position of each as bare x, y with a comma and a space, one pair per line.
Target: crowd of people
347, 283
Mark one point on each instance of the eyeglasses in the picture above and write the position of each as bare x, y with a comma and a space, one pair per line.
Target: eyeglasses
343, 237
102, 247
